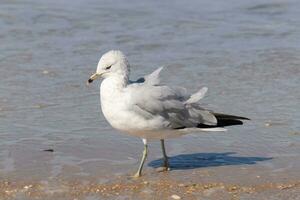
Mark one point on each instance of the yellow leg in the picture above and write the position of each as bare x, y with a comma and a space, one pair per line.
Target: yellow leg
144, 157
166, 160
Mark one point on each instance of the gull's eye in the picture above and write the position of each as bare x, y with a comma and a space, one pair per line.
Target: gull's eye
107, 67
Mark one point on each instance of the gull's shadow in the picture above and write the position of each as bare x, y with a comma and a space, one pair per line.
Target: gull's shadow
199, 160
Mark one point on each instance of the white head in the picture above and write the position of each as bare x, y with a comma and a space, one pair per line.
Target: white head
112, 63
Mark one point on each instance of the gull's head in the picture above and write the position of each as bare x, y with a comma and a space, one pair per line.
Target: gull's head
112, 63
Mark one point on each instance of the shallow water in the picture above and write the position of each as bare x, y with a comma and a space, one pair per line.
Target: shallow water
245, 52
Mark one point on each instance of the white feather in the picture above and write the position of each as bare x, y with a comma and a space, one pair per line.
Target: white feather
197, 96
218, 129
153, 78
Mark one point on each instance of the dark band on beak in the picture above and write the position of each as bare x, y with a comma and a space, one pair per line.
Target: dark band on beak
90, 80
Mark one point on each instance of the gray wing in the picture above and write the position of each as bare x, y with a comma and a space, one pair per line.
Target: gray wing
151, 99
150, 79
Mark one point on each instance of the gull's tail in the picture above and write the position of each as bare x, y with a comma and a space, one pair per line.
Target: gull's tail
225, 120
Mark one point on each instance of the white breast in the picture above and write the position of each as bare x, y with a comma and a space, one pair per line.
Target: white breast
119, 111
110, 102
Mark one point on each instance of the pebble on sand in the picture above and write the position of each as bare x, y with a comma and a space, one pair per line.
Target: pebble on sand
294, 133
49, 150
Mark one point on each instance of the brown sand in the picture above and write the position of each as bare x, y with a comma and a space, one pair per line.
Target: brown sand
144, 188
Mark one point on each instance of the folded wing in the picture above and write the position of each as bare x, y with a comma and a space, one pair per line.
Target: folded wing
151, 99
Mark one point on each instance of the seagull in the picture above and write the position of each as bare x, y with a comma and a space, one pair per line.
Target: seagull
148, 109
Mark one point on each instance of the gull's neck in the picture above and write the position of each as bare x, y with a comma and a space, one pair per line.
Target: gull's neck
116, 82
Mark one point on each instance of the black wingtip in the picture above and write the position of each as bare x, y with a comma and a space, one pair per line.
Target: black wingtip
225, 116
222, 123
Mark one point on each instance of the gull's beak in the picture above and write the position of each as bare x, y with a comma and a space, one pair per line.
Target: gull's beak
93, 77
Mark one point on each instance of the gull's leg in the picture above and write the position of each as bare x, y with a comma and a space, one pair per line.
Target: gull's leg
166, 161
145, 152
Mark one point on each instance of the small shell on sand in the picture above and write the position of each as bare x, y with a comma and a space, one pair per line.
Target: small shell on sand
162, 169
26, 187
267, 124
174, 196
45, 72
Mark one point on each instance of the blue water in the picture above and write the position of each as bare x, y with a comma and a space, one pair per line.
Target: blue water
245, 52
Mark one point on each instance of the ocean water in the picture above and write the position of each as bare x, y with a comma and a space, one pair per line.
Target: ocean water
245, 52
